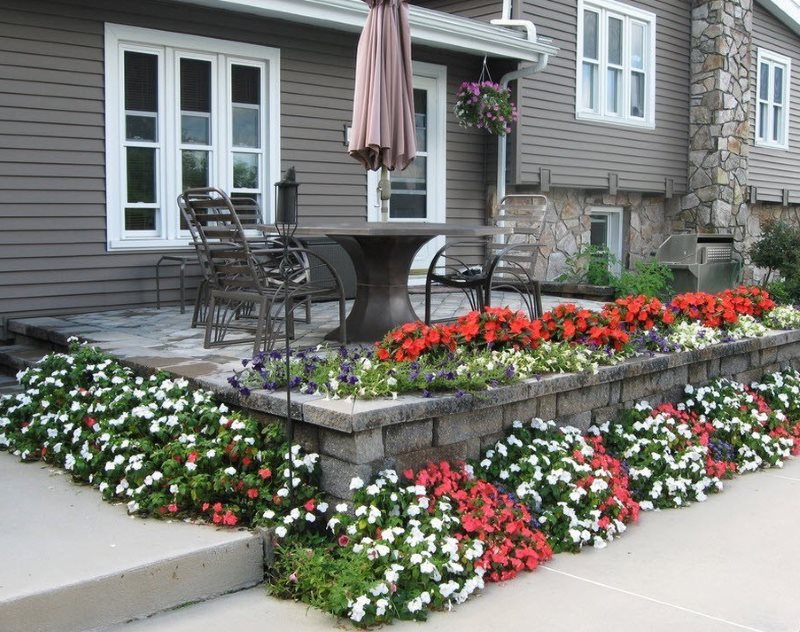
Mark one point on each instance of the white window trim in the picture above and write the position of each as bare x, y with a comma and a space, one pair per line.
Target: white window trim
624, 11
117, 35
771, 58
424, 73
614, 234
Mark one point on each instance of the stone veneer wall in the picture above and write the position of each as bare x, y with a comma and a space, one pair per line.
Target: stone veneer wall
362, 437
719, 123
567, 226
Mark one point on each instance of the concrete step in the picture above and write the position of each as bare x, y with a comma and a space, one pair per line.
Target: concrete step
73, 562
9, 385
18, 356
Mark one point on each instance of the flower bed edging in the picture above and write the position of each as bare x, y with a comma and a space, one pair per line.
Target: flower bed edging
362, 437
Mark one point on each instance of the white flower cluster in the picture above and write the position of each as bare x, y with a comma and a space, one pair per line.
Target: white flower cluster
407, 536
551, 469
782, 317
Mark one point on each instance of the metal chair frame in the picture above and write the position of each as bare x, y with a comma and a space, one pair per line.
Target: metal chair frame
246, 283
507, 266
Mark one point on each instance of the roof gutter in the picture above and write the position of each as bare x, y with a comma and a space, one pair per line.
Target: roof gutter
519, 73
436, 29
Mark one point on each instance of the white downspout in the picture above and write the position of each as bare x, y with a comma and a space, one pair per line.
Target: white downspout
525, 71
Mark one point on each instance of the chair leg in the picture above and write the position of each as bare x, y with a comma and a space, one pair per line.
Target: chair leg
200, 304
212, 307
259, 340
428, 302
537, 297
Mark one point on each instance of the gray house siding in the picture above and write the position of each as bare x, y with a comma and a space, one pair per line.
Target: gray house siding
478, 9
53, 255
773, 170
581, 154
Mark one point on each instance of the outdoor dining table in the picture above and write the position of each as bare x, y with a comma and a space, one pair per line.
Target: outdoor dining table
382, 254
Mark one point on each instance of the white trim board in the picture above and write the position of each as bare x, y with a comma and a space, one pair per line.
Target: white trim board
430, 28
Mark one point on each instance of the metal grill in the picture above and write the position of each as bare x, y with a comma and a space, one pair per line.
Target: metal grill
701, 263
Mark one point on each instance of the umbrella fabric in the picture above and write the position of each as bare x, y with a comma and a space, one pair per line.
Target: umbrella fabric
383, 132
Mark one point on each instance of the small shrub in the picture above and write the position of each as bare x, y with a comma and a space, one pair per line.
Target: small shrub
649, 278
591, 265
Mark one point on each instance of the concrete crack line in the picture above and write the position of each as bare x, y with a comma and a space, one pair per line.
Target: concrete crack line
646, 598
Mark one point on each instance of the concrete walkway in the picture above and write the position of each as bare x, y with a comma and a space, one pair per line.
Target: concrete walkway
69, 561
731, 563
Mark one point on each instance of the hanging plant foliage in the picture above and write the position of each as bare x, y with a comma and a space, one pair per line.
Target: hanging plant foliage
485, 105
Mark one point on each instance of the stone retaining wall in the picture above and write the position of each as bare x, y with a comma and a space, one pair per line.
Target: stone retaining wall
362, 437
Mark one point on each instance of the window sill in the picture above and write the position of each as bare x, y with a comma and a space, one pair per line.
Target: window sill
139, 245
616, 122
764, 145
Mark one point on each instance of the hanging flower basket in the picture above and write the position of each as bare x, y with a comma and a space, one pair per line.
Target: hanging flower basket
485, 105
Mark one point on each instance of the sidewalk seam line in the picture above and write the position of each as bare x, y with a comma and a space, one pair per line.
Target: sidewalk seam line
652, 599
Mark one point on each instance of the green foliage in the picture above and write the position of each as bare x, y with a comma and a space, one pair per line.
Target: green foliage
318, 571
649, 278
778, 250
591, 264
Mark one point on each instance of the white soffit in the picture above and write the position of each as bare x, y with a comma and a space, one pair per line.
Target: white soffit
787, 11
436, 29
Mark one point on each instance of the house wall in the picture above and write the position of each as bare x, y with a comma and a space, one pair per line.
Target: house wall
53, 254
580, 154
773, 170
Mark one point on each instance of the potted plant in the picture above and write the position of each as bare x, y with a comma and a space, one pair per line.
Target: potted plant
485, 105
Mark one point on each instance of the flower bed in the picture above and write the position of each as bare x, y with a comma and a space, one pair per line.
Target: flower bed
411, 542
483, 350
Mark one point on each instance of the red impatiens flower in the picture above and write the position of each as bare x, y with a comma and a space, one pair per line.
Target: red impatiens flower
310, 505
343, 540
172, 508
265, 473
252, 493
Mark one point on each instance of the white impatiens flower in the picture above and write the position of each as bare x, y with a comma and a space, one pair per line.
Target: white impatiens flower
356, 483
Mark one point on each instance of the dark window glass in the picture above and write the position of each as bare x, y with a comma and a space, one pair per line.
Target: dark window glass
141, 164
140, 219
246, 84
195, 85
141, 82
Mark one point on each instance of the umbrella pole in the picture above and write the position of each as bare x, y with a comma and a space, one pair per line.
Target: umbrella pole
385, 188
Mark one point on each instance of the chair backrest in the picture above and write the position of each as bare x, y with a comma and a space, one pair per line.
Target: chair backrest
219, 235
525, 214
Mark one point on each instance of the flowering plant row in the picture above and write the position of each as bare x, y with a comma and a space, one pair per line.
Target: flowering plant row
157, 446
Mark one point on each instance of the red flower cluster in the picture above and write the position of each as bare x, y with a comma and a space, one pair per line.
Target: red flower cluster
633, 313
490, 516
751, 300
567, 323
220, 514
497, 327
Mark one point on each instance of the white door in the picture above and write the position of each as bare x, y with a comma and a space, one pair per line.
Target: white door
418, 192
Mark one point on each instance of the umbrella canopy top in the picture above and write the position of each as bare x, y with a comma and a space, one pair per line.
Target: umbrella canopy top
383, 132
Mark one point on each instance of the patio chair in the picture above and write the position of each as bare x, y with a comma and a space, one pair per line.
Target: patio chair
508, 264
251, 280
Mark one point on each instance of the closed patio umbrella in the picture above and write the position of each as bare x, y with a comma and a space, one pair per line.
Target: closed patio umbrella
383, 134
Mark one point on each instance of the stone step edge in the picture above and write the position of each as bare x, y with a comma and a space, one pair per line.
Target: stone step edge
139, 592
16, 357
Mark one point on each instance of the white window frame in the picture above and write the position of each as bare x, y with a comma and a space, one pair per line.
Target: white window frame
628, 15
170, 47
614, 236
772, 60
433, 79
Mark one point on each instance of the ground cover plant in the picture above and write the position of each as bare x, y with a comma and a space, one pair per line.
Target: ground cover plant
414, 541
152, 443
484, 350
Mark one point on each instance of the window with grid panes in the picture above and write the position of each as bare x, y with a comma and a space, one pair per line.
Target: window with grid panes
184, 112
772, 103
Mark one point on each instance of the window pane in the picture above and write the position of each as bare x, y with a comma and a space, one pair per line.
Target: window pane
637, 45
589, 86
777, 84
421, 120
141, 82
194, 129
637, 94
245, 171
409, 191
195, 85
599, 230
245, 127
141, 171
140, 127
246, 84
615, 41
140, 219
763, 115
777, 123
614, 90
590, 23
194, 169
763, 92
